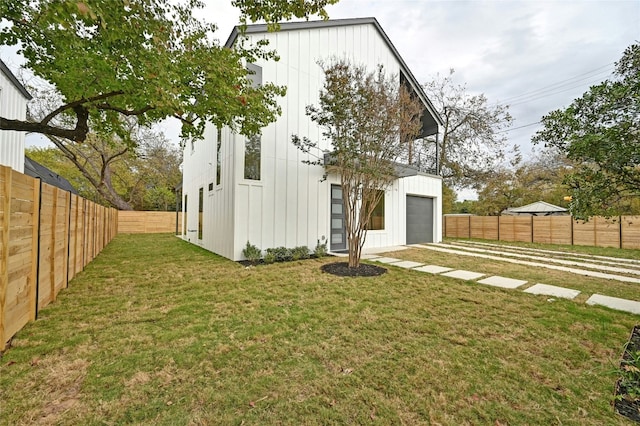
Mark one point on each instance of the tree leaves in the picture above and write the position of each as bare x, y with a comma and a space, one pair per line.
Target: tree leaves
600, 131
151, 59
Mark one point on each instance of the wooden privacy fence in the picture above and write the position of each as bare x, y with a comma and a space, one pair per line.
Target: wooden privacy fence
147, 222
621, 232
47, 236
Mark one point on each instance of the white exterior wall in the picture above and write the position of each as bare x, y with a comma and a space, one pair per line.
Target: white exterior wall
199, 170
13, 105
290, 205
395, 209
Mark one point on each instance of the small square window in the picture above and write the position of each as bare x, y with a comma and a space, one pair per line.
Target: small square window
211, 186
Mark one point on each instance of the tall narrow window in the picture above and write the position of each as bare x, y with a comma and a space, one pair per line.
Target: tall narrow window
376, 221
200, 209
252, 145
252, 158
184, 217
219, 158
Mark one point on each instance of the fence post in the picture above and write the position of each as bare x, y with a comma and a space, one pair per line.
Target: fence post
52, 252
35, 250
4, 261
531, 228
68, 238
620, 231
469, 232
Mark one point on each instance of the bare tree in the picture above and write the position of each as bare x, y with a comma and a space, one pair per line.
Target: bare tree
369, 120
472, 145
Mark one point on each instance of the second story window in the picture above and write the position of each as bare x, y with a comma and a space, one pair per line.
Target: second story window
219, 158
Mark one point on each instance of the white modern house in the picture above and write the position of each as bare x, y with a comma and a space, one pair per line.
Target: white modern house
238, 189
13, 105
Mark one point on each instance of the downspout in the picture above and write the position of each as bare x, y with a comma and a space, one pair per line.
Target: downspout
437, 153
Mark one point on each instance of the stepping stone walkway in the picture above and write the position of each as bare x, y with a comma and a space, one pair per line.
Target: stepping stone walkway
552, 290
625, 305
503, 282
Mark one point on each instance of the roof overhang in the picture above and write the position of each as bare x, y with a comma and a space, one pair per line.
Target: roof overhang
399, 170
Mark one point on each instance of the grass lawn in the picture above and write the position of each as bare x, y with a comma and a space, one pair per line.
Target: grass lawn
158, 331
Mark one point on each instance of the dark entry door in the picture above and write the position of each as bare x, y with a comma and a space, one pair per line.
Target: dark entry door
338, 238
419, 220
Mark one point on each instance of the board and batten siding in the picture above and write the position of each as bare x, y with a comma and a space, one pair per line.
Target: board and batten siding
199, 170
13, 105
289, 206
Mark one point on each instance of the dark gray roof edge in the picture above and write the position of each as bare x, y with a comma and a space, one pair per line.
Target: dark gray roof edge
6, 71
290, 26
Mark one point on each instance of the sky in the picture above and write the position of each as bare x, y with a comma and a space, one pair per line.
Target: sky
535, 56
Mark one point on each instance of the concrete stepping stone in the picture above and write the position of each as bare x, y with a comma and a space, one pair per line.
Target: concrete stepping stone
386, 260
463, 275
503, 282
408, 264
433, 269
615, 303
552, 290
369, 256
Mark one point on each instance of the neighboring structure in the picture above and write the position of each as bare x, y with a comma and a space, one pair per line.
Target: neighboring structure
238, 189
13, 105
539, 208
34, 169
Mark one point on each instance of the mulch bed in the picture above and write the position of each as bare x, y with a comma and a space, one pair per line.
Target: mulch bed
625, 406
342, 269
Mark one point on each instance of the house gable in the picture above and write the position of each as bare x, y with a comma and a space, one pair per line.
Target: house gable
14, 81
430, 121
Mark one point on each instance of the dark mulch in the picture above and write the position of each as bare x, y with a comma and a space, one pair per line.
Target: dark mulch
623, 404
342, 269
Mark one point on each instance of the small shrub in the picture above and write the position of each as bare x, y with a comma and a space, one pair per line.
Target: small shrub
281, 254
301, 252
252, 253
320, 250
269, 257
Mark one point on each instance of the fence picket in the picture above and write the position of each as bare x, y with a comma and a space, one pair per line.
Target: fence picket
36, 250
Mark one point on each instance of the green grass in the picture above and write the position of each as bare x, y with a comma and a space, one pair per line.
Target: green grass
157, 331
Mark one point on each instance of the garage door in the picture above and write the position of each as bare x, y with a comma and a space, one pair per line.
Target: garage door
419, 220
